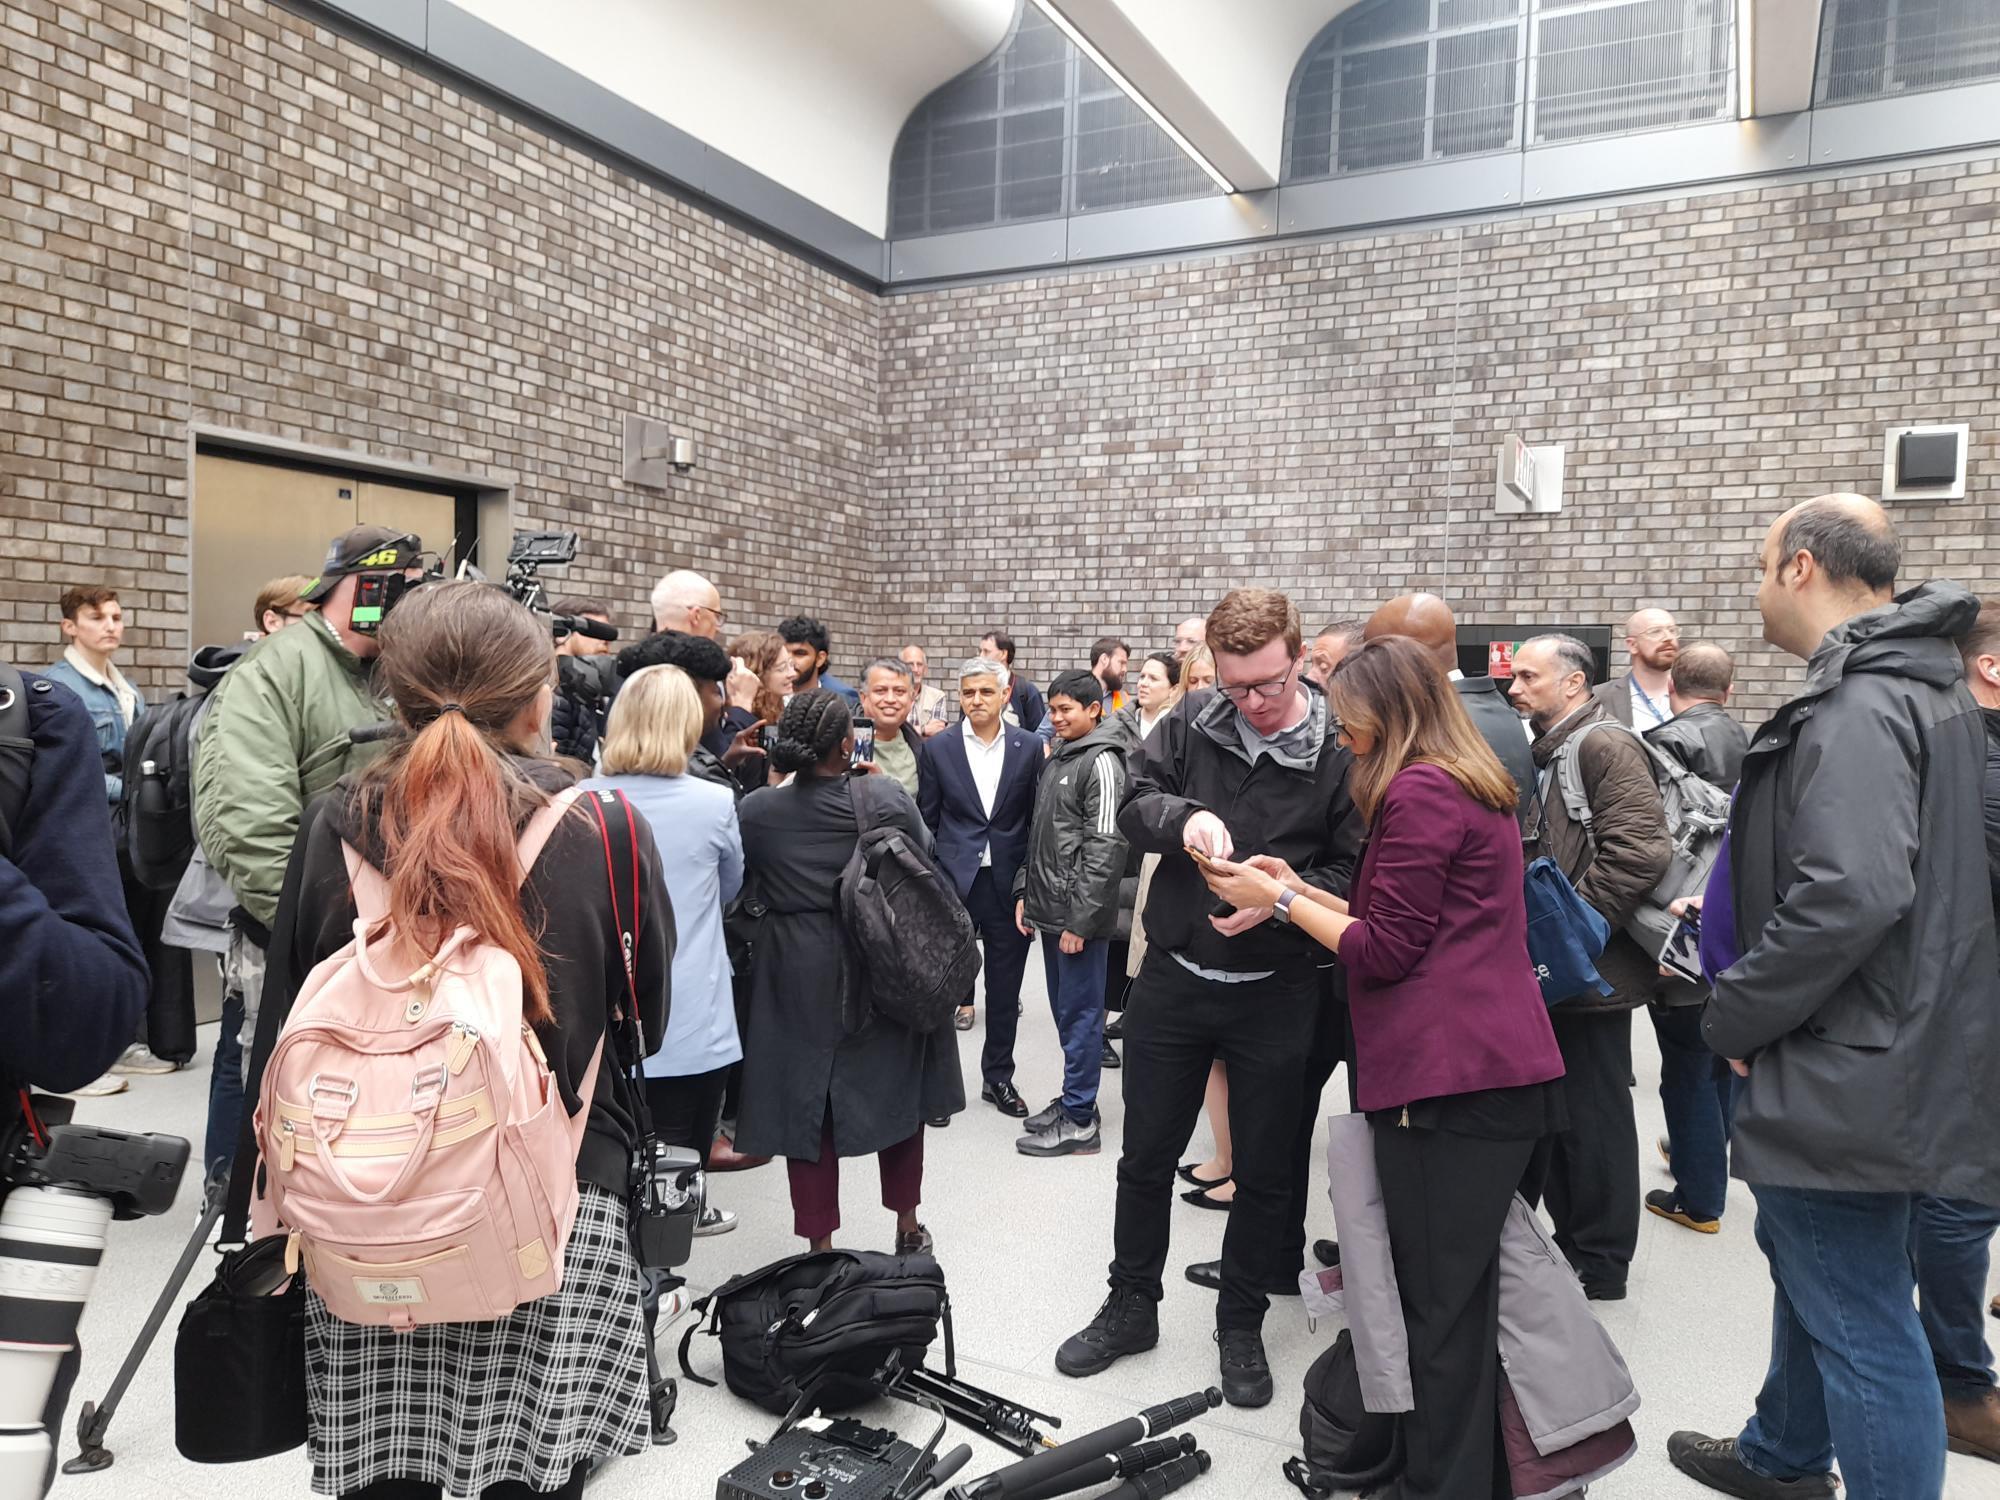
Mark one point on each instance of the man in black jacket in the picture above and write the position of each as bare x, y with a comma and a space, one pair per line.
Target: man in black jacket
70, 966
1067, 890
1864, 1010
1428, 620
1250, 768
1701, 735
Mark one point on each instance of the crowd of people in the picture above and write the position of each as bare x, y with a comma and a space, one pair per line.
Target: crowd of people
1250, 858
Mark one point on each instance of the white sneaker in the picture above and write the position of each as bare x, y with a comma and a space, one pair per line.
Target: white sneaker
715, 1221
99, 1088
139, 1059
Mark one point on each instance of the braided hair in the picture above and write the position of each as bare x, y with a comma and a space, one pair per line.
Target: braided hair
809, 729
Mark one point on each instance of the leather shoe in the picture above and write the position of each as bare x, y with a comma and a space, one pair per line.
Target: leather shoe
1208, 1273
1327, 1252
1111, 1058
723, 1157
1005, 1098
939, 1123
1114, 1027
963, 1020
1715, 1463
1604, 1291
1973, 1427
1200, 1199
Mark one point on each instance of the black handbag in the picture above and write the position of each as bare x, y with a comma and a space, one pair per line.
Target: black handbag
834, 1316
240, 1360
1347, 1447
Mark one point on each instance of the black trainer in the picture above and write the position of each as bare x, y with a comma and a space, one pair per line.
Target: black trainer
1713, 1462
1246, 1373
1127, 1323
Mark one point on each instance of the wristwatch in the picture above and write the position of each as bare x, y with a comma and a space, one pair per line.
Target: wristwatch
1282, 907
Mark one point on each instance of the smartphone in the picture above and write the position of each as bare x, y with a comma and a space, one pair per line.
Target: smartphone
864, 741
1201, 857
1681, 953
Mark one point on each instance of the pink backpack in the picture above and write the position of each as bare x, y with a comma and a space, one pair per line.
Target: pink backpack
414, 1138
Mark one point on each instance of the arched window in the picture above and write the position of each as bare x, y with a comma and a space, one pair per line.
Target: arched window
1397, 82
1035, 131
1872, 49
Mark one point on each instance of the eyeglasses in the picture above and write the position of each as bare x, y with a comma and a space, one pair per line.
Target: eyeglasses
1275, 688
721, 615
1660, 633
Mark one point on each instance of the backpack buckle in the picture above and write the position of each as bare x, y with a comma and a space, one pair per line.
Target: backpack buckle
339, 1096
428, 1081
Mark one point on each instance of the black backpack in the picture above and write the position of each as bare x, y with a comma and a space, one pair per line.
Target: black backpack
915, 943
835, 1315
157, 815
17, 755
1347, 1446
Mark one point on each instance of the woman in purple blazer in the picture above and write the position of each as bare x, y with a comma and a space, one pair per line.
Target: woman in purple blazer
1455, 1062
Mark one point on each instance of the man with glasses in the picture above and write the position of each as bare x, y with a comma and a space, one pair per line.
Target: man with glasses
1252, 767
1641, 698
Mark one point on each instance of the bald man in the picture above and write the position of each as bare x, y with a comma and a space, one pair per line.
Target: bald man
1428, 620
1864, 1013
689, 603
1641, 699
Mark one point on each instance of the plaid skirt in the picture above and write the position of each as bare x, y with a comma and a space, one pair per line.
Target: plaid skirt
557, 1381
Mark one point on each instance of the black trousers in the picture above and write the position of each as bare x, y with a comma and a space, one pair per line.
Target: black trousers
687, 1109
1176, 1025
1593, 1181
1445, 1197
992, 912
1330, 1048
1117, 954
170, 996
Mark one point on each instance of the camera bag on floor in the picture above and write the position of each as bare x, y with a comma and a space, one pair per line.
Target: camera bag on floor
1347, 1446
240, 1360
837, 1314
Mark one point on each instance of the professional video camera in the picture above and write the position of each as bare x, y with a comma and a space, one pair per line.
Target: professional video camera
532, 551
63, 1184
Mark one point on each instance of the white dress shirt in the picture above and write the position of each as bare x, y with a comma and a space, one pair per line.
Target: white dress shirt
987, 762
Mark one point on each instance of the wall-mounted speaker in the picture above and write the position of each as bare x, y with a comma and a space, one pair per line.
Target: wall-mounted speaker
1925, 462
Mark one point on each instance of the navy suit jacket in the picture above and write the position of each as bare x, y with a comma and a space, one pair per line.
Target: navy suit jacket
949, 801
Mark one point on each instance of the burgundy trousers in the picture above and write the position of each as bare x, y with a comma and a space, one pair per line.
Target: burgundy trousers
816, 1184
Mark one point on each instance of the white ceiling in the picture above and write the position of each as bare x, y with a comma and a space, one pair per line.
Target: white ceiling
813, 93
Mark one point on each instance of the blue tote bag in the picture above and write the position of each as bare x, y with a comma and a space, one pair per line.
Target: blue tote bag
1566, 934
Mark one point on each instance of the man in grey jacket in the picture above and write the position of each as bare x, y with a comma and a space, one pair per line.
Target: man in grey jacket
1865, 1008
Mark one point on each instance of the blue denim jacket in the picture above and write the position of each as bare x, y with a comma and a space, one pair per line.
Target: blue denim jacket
105, 718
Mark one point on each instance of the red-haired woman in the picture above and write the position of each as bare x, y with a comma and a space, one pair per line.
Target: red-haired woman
524, 1404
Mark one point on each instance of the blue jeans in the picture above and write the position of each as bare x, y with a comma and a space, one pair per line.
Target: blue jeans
1698, 1095
1076, 995
1948, 1249
1850, 1370
225, 1089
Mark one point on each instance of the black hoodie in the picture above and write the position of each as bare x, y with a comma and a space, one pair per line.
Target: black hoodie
567, 901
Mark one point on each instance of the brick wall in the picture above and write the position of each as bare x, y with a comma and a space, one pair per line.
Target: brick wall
1113, 449
220, 212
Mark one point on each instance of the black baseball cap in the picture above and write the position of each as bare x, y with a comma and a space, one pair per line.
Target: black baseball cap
364, 549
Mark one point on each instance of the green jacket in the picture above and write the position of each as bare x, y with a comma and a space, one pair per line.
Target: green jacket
275, 737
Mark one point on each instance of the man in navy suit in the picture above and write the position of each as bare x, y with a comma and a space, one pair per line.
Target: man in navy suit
976, 789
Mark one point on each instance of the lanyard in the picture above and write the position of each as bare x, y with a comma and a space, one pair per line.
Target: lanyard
1647, 699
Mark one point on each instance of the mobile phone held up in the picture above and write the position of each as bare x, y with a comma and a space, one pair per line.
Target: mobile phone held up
1681, 954
864, 742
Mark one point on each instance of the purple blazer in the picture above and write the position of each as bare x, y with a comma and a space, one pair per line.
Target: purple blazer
1443, 994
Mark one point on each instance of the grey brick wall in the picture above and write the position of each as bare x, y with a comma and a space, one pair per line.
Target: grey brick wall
235, 217
229, 215
1113, 449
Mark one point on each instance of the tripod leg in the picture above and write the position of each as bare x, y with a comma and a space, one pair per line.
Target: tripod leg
95, 1420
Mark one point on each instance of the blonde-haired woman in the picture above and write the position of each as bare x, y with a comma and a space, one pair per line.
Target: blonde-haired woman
654, 727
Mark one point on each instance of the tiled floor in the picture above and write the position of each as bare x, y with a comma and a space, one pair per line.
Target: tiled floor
1024, 1243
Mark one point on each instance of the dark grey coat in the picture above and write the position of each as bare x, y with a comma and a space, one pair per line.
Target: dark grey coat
1071, 879
799, 1061
1867, 999
1707, 741
1486, 704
